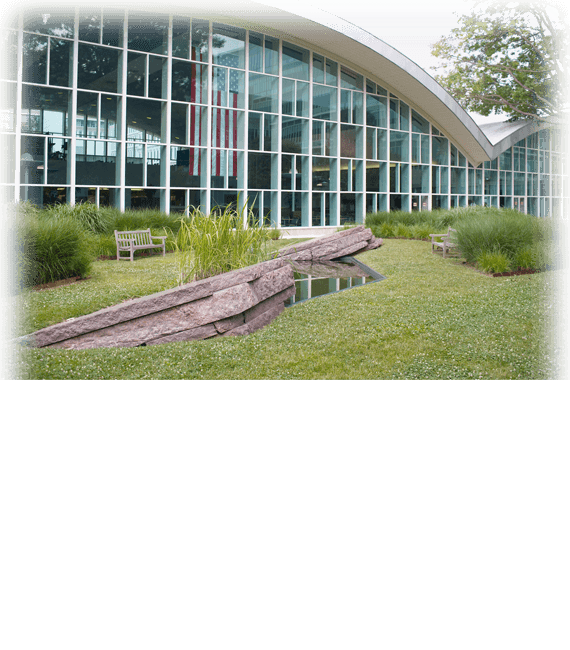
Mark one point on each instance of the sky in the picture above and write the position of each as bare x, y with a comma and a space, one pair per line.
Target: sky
410, 27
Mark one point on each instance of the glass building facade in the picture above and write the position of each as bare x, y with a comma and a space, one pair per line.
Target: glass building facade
136, 110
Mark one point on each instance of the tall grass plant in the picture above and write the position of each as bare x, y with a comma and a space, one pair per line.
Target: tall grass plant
207, 245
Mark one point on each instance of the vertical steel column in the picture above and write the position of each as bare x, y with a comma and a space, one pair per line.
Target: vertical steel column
123, 116
210, 69
165, 162
73, 115
279, 125
19, 90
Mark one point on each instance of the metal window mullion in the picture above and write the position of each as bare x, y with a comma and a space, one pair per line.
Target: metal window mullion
168, 125
73, 117
19, 89
310, 147
123, 141
209, 87
279, 124
245, 160
337, 145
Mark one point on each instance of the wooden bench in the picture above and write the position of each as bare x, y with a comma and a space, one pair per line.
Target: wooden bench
134, 240
446, 244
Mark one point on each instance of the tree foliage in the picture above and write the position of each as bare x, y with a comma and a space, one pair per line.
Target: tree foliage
507, 58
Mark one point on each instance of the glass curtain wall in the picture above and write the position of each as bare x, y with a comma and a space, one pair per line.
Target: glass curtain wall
145, 110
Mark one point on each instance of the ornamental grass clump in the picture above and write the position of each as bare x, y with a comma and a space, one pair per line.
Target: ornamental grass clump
522, 239
207, 245
52, 246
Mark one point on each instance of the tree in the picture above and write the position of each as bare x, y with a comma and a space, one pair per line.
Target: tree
507, 58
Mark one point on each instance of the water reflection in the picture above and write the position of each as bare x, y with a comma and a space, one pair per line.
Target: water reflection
321, 278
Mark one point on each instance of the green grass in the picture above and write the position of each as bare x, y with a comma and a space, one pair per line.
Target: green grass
432, 318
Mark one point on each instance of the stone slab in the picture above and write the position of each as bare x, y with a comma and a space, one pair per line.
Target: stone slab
257, 323
328, 269
194, 334
146, 305
295, 248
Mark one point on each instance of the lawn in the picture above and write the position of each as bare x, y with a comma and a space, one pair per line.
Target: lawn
432, 318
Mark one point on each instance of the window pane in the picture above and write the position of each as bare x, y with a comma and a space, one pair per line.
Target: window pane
219, 86
324, 102
60, 63
35, 58
302, 99
157, 67
144, 119
350, 141
288, 97
404, 117
8, 93
226, 128
97, 68
318, 69
270, 132
90, 26
331, 69
87, 114
154, 156
45, 110
113, 28
399, 143
295, 135
382, 144
357, 108
322, 174
376, 111
263, 93
259, 170
255, 52
32, 159
134, 164
271, 55
109, 114
419, 124
439, 151
148, 33
96, 163
200, 32
136, 70
229, 46
186, 165
254, 131
181, 37
54, 23
350, 79
295, 62
189, 82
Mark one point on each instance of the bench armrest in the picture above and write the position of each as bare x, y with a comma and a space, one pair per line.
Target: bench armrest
163, 237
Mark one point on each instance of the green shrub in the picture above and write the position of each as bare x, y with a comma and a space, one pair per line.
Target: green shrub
52, 246
525, 259
493, 262
143, 219
382, 230
421, 231
402, 230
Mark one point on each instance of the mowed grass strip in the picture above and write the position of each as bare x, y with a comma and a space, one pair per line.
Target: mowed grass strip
432, 318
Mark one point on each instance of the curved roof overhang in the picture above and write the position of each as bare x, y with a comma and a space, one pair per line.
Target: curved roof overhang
359, 50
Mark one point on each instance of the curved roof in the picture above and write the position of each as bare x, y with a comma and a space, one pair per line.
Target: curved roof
365, 53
